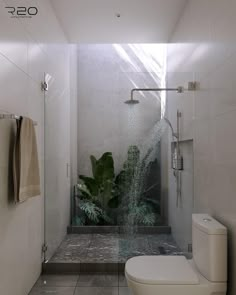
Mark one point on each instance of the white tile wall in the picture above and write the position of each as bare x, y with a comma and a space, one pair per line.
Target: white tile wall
22, 64
206, 52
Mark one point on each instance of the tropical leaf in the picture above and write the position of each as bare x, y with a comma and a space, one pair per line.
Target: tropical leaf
91, 184
143, 214
132, 158
79, 220
120, 178
104, 168
83, 188
104, 190
92, 211
152, 202
106, 218
114, 202
148, 219
107, 192
93, 161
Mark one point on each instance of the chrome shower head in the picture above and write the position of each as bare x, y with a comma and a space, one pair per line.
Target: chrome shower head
132, 101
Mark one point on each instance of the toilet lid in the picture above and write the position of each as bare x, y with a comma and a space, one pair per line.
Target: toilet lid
161, 270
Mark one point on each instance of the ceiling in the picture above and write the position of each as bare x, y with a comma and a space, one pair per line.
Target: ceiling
97, 21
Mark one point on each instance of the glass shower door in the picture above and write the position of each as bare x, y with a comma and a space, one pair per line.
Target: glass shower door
57, 169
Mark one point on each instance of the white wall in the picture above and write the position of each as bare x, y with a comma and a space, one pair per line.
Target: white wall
106, 75
206, 53
90, 21
73, 114
22, 64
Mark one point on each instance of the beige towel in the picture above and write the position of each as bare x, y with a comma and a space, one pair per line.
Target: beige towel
25, 162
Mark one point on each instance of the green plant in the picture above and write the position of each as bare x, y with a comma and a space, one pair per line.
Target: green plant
95, 192
101, 185
90, 213
143, 214
126, 192
126, 176
130, 194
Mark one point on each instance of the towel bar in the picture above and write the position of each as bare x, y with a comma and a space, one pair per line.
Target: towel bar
12, 116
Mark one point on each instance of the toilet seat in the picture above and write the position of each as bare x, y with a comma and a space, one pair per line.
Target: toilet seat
161, 270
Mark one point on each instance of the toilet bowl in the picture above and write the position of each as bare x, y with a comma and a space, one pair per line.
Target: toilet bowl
205, 274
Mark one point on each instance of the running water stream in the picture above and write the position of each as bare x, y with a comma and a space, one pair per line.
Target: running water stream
149, 151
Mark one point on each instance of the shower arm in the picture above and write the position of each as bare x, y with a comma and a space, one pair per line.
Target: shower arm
179, 89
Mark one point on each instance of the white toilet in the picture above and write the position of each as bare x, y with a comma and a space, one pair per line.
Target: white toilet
205, 274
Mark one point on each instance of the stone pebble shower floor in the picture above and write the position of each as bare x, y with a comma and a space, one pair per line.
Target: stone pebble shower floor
94, 250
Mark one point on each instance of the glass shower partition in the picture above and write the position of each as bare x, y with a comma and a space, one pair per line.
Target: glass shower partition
56, 166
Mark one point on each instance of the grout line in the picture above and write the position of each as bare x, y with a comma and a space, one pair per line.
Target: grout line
118, 279
77, 279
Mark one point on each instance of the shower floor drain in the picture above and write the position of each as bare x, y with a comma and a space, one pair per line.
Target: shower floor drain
162, 250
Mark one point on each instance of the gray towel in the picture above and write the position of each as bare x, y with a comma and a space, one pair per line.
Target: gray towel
25, 162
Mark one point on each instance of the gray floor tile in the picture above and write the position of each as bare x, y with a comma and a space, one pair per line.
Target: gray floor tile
57, 281
98, 280
125, 291
53, 290
122, 280
96, 291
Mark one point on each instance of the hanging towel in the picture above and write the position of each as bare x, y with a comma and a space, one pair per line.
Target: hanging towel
25, 162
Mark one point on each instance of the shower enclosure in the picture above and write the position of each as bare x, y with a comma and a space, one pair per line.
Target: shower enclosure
116, 208
119, 146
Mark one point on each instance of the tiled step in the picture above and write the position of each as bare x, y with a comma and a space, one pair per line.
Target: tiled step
84, 253
83, 267
163, 229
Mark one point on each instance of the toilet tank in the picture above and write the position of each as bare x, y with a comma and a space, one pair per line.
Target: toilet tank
209, 247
